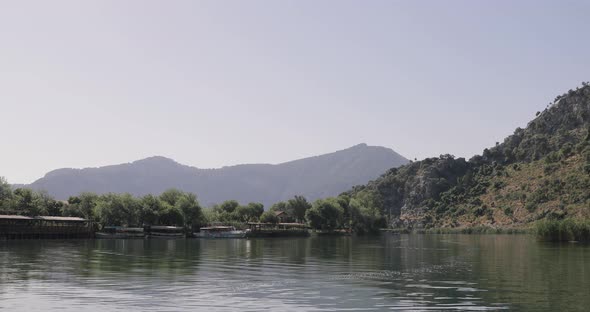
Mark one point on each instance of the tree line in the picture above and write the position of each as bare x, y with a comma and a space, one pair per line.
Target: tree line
178, 208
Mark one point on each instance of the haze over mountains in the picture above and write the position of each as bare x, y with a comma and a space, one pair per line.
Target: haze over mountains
313, 177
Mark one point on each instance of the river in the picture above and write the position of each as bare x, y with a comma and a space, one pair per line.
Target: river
386, 273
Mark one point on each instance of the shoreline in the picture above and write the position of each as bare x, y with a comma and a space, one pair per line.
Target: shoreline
463, 230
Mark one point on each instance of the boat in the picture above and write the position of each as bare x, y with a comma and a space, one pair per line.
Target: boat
120, 232
165, 231
220, 232
258, 229
334, 233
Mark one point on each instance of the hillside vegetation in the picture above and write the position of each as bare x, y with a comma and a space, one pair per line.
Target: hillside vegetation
540, 172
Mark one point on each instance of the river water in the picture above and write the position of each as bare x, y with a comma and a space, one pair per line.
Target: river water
385, 273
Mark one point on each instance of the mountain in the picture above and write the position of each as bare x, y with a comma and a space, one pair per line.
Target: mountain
540, 172
313, 177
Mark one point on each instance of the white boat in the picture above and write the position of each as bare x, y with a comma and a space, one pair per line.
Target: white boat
220, 232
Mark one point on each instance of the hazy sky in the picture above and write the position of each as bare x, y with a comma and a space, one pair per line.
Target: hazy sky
213, 83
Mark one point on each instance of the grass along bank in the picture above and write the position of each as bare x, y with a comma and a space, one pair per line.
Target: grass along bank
563, 230
480, 229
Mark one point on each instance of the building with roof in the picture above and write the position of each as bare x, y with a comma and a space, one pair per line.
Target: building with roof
17, 226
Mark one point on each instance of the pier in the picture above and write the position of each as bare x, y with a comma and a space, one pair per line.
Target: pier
46, 227
258, 229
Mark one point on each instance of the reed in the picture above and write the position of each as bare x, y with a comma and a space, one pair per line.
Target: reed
480, 229
563, 230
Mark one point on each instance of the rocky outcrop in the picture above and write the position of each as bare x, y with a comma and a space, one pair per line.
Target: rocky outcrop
538, 172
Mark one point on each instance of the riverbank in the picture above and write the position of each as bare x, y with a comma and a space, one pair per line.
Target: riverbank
544, 230
563, 230
463, 230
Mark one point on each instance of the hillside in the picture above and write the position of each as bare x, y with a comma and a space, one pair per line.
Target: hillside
542, 171
313, 177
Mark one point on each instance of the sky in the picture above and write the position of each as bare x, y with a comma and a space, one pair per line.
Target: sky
216, 83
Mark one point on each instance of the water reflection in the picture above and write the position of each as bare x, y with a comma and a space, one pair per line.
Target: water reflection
391, 272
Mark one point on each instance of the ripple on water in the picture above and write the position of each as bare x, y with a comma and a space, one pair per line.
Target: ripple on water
413, 273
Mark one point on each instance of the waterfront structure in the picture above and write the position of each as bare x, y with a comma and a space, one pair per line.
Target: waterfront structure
22, 227
220, 232
120, 232
164, 231
257, 229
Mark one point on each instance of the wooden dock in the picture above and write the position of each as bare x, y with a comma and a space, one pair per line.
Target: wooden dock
46, 227
277, 230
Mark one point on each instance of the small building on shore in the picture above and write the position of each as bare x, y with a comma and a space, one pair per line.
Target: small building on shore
284, 217
23, 227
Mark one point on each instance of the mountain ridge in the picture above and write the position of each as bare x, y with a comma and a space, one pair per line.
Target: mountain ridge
329, 174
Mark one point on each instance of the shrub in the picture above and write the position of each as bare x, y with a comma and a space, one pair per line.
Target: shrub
549, 168
269, 217
530, 206
498, 185
480, 211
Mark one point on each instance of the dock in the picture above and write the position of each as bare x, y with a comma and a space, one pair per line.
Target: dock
258, 229
46, 227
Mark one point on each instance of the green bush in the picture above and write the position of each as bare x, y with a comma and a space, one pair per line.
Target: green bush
498, 185
480, 211
530, 206
549, 168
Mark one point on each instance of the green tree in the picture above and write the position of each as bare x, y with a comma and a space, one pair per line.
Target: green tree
298, 206
364, 217
24, 202
284, 207
82, 206
250, 212
171, 196
226, 211
71, 209
115, 209
47, 205
344, 202
5, 194
229, 206
280, 206
269, 217
151, 208
325, 214
172, 216
87, 205
210, 215
190, 209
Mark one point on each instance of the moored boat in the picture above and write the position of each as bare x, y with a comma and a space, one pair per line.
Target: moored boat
341, 232
277, 230
120, 232
220, 232
164, 231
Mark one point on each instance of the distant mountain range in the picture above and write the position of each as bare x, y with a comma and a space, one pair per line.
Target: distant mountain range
313, 177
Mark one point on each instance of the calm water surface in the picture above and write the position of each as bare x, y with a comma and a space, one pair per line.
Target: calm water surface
391, 272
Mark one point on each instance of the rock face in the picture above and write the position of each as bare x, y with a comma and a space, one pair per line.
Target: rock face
314, 177
408, 192
540, 171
